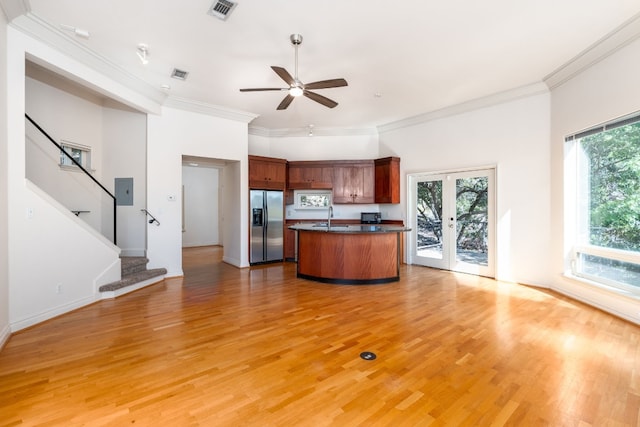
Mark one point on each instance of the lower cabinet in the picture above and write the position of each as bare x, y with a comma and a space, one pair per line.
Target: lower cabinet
289, 242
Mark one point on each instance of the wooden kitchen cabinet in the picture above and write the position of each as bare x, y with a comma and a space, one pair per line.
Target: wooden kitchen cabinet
353, 182
309, 175
387, 180
267, 173
289, 242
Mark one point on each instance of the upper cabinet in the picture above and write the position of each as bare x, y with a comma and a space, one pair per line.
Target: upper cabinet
387, 178
353, 182
267, 173
308, 175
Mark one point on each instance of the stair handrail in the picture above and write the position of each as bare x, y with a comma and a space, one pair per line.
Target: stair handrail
153, 218
75, 162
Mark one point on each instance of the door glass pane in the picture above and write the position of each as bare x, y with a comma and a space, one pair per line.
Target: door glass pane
429, 219
472, 220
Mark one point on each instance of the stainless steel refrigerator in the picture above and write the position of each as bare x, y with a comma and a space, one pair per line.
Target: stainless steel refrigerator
267, 240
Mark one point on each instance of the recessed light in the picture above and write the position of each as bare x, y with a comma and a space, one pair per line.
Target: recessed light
377, 95
165, 87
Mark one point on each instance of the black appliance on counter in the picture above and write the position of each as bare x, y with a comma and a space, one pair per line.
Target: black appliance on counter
370, 217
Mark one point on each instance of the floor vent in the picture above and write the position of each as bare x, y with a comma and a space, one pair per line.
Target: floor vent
222, 9
179, 74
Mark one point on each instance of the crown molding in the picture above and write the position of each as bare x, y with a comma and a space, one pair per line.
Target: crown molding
37, 28
475, 104
615, 40
14, 8
209, 109
317, 131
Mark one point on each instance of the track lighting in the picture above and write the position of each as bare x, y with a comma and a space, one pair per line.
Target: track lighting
143, 53
79, 32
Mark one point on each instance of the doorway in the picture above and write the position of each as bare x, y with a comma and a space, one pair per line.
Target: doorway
452, 218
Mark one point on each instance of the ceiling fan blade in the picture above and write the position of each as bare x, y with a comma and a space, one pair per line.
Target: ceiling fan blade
285, 102
284, 75
319, 98
259, 89
325, 84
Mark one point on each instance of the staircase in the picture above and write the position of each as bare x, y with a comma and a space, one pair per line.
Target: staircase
134, 276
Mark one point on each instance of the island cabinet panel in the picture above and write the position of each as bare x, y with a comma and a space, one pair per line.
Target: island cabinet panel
267, 173
354, 182
348, 258
387, 177
310, 175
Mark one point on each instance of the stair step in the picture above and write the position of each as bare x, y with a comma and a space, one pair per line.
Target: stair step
132, 279
133, 264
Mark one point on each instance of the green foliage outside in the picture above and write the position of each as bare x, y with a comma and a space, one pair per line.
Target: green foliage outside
614, 184
471, 213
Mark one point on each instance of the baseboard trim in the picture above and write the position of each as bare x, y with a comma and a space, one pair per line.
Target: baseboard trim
128, 289
50, 314
5, 334
233, 261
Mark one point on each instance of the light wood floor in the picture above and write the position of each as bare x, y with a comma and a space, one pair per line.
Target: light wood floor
258, 347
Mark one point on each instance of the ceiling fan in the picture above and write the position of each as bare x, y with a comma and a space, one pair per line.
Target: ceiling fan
296, 87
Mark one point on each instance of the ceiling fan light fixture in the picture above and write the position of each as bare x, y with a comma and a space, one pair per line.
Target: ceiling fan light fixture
296, 88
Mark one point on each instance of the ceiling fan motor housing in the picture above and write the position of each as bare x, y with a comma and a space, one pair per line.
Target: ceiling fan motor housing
296, 39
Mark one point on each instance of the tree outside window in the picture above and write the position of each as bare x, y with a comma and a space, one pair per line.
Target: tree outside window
608, 246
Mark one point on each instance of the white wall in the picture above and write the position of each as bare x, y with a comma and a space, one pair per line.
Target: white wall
322, 147
201, 206
607, 90
4, 222
125, 156
55, 263
65, 117
171, 135
513, 136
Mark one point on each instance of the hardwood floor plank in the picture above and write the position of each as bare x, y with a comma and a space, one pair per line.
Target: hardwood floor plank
227, 346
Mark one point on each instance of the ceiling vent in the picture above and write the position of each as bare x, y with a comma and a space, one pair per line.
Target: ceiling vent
221, 9
179, 74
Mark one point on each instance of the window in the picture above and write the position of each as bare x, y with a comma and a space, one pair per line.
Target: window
313, 199
80, 153
606, 245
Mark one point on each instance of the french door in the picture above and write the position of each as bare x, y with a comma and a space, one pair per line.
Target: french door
452, 221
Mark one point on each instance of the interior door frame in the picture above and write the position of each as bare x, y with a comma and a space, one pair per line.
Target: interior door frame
411, 244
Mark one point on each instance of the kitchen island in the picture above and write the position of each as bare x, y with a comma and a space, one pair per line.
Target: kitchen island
349, 254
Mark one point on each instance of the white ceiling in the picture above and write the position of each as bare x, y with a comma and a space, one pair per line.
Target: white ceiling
418, 55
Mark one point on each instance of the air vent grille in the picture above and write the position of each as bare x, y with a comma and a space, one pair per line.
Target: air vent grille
222, 9
179, 74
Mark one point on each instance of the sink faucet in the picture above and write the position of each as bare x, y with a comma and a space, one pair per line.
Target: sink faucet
330, 215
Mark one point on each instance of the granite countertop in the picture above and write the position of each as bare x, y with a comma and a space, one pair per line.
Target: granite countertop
355, 228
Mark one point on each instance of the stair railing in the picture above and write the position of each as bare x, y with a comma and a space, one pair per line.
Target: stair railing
153, 219
75, 162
